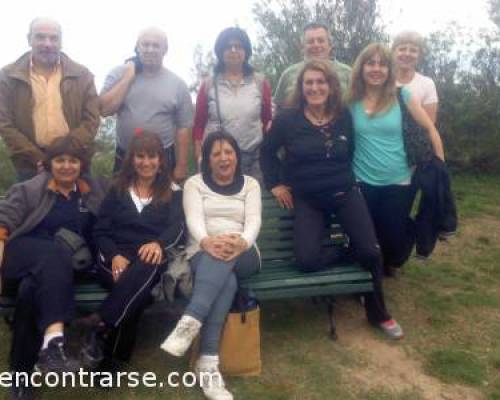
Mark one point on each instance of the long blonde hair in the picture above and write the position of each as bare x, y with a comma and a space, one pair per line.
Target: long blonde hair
358, 85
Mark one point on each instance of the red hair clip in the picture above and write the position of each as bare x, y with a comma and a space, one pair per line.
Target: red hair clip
138, 132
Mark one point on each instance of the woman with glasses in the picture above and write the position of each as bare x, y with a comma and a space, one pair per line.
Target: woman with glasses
236, 100
317, 136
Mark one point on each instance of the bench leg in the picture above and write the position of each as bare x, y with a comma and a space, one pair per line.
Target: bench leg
9, 320
331, 319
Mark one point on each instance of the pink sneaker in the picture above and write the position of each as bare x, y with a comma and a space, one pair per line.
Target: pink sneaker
392, 329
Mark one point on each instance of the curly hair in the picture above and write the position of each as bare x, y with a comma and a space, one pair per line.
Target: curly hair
296, 99
411, 37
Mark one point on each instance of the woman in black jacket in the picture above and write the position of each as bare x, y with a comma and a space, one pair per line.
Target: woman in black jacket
140, 218
316, 134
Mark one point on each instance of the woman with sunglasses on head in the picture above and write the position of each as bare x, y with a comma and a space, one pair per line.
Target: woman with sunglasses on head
139, 220
316, 134
236, 100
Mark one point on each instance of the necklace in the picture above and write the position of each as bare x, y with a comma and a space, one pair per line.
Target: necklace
326, 130
315, 118
143, 200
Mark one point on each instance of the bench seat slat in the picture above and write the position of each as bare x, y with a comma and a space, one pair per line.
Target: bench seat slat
291, 281
288, 293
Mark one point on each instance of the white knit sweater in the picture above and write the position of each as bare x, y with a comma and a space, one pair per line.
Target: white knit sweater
209, 213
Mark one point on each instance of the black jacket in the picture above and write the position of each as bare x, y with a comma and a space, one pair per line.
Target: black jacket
437, 214
316, 160
121, 229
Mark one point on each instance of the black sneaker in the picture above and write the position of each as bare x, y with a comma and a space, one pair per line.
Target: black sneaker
92, 351
22, 391
54, 358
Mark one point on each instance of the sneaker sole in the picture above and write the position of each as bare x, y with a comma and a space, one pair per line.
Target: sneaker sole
165, 347
88, 361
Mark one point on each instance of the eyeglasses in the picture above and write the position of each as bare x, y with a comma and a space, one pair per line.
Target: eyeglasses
234, 47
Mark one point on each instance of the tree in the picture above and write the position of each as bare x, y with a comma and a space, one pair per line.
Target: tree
203, 66
494, 6
354, 24
102, 162
466, 70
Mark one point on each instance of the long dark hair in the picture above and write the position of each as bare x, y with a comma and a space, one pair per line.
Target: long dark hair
206, 149
228, 34
297, 100
149, 143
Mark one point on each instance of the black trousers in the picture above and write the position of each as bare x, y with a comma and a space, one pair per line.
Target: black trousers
390, 208
40, 274
352, 214
122, 309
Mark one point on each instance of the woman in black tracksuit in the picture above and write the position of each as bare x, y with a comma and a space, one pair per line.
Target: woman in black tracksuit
140, 218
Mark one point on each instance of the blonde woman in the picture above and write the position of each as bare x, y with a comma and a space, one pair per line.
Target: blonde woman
408, 50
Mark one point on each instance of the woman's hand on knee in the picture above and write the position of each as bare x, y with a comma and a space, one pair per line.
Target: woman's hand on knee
234, 246
151, 253
118, 265
283, 196
215, 246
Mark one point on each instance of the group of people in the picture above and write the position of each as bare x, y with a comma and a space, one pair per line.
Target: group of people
334, 145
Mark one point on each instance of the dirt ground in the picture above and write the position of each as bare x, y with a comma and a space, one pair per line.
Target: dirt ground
402, 371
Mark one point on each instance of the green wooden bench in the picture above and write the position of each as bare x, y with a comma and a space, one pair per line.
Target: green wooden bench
280, 277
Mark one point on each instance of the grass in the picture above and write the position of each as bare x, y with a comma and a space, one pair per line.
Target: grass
449, 307
454, 365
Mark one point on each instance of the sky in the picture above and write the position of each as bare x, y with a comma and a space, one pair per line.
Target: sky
102, 33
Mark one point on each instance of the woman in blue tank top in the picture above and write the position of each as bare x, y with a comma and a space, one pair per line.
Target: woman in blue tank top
380, 161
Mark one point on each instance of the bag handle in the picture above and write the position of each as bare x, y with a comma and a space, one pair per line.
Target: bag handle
217, 104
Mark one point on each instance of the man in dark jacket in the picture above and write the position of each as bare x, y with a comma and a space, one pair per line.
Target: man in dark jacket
44, 95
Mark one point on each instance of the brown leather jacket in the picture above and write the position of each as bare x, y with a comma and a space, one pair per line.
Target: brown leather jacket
80, 107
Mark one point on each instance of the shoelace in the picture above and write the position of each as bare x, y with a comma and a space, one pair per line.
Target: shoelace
185, 329
212, 378
60, 348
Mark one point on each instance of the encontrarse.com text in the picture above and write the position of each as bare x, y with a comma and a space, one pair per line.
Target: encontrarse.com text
128, 379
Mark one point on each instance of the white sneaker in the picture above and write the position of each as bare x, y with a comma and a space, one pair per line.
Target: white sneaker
182, 336
210, 378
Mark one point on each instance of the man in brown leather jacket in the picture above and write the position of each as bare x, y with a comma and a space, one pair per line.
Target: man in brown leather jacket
44, 95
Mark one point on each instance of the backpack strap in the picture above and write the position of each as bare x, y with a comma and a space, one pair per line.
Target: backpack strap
210, 82
259, 80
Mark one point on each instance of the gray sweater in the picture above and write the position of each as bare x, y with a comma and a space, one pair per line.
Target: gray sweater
28, 202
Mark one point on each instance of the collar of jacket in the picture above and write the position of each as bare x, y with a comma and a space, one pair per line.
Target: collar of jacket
20, 69
82, 186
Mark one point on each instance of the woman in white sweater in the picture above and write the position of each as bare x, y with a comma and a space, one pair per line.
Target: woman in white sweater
223, 214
